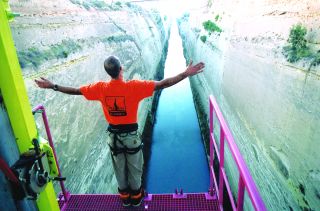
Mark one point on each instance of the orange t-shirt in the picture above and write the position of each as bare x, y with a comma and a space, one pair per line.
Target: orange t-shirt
119, 99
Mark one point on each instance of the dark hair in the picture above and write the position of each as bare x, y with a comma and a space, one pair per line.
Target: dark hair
112, 66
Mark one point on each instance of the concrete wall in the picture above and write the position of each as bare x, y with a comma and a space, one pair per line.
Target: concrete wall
272, 106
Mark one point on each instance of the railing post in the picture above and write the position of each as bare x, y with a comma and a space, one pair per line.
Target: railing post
47, 128
245, 180
211, 143
240, 194
46, 124
221, 167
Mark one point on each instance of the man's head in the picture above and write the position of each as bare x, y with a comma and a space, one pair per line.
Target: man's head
112, 66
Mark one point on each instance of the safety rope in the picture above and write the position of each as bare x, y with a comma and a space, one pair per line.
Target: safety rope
8, 172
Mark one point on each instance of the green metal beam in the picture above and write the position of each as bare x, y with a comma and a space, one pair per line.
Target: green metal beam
13, 88
16, 100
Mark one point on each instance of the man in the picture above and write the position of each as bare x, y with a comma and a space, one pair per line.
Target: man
120, 100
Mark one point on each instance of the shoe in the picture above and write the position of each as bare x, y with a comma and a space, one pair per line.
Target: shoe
126, 202
125, 197
137, 197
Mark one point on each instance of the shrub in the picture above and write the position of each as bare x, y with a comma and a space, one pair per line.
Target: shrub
99, 4
117, 38
203, 38
296, 37
217, 17
86, 5
186, 16
297, 48
118, 3
211, 27
315, 59
36, 57
76, 2
32, 56
116, 6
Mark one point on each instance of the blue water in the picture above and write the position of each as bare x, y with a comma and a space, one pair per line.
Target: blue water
178, 158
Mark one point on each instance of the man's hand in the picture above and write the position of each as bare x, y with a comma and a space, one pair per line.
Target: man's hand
190, 71
44, 83
194, 69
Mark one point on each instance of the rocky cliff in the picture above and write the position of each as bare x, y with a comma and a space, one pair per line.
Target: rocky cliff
272, 105
67, 42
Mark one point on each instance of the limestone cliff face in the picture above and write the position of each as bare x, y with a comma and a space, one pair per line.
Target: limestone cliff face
272, 106
67, 43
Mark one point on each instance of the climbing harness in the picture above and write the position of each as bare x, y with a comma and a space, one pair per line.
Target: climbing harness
123, 131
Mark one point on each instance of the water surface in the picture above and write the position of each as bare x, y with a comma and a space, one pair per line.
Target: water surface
178, 157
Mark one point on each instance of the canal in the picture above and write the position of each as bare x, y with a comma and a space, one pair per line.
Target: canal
178, 158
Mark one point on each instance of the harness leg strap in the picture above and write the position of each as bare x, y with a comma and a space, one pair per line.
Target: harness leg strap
116, 150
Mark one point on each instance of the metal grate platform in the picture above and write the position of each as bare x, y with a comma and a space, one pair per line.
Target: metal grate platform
158, 202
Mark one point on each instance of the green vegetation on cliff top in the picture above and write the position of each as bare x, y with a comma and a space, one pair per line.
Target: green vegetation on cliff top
97, 4
211, 27
203, 38
298, 48
34, 57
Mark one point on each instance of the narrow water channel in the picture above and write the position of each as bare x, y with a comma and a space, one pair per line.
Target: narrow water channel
178, 157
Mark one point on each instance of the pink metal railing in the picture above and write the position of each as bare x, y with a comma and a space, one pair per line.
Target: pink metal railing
40, 109
245, 179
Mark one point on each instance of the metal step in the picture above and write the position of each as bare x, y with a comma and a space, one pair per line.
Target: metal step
158, 202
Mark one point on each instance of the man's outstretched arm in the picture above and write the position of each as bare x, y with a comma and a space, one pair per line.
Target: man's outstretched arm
190, 71
46, 84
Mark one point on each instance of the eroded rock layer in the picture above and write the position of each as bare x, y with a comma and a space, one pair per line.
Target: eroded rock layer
272, 105
67, 42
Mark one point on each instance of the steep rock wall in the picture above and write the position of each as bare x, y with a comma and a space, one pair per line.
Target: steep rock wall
271, 105
67, 43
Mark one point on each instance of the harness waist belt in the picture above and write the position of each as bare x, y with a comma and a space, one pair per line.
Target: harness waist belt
123, 128
115, 151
